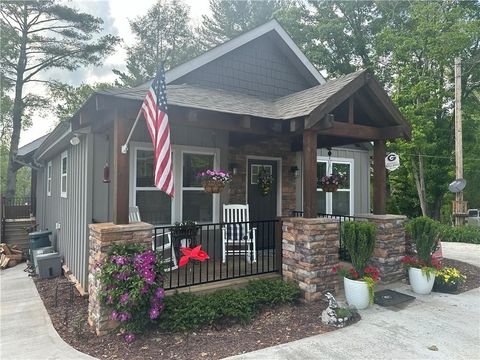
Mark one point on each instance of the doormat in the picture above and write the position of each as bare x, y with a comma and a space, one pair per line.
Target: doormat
391, 298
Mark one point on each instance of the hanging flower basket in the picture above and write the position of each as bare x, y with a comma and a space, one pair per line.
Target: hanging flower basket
330, 187
213, 186
214, 181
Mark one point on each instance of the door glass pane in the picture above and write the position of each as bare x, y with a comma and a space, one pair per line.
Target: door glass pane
192, 165
341, 203
197, 206
154, 206
344, 170
321, 202
144, 175
321, 171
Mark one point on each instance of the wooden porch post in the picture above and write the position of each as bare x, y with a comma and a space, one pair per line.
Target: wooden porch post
379, 178
309, 174
121, 172
33, 192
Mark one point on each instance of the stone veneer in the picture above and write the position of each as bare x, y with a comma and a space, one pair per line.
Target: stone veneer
310, 250
279, 148
102, 237
390, 245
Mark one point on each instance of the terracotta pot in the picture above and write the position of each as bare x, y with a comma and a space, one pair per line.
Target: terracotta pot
356, 293
421, 284
330, 188
212, 186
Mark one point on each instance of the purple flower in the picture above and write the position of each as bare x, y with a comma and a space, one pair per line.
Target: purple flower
109, 299
144, 289
129, 338
160, 293
124, 317
154, 312
124, 298
114, 315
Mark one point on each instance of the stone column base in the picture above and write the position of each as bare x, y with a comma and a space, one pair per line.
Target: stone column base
102, 237
310, 250
390, 245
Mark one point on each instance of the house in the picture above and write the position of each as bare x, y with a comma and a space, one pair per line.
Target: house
254, 102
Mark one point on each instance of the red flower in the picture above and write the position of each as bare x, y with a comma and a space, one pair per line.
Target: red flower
354, 273
334, 269
194, 254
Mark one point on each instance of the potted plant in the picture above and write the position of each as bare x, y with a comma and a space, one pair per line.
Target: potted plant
184, 234
359, 281
214, 181
330, 183
447, 280
422, 267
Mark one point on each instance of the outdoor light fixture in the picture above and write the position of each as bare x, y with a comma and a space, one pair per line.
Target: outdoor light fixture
295, 171
233, 168
75, 140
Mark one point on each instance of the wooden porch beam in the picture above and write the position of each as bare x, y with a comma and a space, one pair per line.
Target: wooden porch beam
379, 178
354, 131
120, 173
310, 174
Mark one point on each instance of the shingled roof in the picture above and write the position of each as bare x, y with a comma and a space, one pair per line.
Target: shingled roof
291, 106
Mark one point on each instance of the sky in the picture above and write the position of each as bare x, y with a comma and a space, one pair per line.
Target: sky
115, 14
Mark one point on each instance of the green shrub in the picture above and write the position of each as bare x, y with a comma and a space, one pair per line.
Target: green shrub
466, 234
360, 243
187, 312
425, 234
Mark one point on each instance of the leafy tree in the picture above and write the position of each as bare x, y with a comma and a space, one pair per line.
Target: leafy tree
232, 17
163, 34
37, 36
67, 99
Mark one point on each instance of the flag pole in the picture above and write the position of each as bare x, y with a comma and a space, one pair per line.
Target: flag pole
124, 147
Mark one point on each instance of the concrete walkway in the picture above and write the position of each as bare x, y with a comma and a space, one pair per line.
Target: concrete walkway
469, 253
451, 323
26, 331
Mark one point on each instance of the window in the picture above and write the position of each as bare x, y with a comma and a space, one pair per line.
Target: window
49, 178
63, 175
339, 202
255, 170
154, 205
197, 205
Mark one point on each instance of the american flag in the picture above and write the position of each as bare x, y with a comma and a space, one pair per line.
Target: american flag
155, 111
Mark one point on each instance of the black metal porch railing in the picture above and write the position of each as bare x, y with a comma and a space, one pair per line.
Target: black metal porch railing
16, 208
240, 261
342, 251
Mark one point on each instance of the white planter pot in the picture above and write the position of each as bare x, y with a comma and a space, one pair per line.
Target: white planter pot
419, 281
356, 293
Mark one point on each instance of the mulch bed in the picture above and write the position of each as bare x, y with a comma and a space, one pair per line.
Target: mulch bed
471, 272
272, 327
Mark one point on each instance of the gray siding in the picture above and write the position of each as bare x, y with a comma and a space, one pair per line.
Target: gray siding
72, 213
361, 176
258, 68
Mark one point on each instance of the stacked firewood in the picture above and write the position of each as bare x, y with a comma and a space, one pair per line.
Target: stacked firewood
10, 256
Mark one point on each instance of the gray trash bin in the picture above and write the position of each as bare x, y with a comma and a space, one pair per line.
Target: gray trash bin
49, 265
41, 251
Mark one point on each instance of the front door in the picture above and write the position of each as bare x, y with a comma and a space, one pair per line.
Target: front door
262, 180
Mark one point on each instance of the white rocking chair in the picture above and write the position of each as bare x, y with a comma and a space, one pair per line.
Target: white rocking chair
236, 233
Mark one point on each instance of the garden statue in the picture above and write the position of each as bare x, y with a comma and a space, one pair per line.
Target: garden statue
334, 315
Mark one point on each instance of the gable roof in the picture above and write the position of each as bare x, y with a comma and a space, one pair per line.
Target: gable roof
220, 50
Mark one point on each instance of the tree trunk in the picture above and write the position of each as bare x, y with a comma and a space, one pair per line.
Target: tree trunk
420, 184
437, 206
17, 112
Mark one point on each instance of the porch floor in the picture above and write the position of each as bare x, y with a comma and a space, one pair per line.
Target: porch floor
215, 270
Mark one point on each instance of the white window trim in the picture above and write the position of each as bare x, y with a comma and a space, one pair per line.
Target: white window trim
63, 194
49, 178
183, 149
134, 147
329, 161
177, 158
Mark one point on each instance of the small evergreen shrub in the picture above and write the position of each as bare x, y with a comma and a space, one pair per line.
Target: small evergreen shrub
425, 234
188, 312
359, 240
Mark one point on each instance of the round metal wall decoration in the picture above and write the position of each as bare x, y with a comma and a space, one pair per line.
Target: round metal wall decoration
392, 162
457, 185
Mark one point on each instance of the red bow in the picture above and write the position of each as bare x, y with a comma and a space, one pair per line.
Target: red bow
195, 254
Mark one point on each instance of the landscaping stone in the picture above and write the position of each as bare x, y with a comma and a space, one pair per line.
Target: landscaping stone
310, 250
390, 245
102, 237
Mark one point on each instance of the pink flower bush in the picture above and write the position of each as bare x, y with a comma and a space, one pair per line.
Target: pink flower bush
132, 279
215, 175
